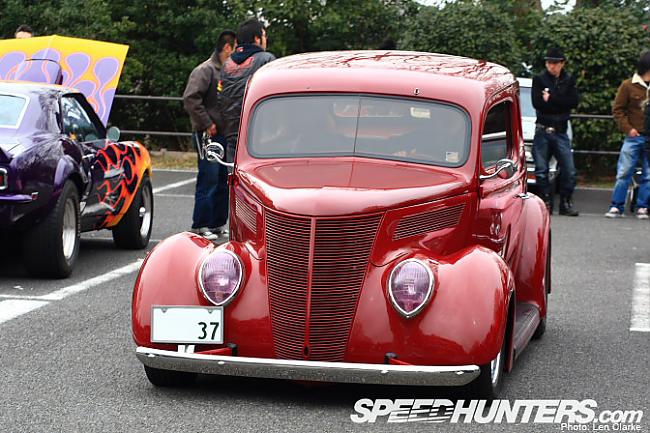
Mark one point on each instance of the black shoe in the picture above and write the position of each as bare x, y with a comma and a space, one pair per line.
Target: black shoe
566, 208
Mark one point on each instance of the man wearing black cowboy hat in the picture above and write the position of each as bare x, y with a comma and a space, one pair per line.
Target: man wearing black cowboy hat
554, 94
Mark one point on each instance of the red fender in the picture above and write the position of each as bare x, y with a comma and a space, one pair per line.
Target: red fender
464, 322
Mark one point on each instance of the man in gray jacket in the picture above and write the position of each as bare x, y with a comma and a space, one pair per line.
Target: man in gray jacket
201, 101
249, 56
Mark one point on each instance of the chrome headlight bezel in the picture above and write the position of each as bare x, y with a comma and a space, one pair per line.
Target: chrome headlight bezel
240, 266
428, 296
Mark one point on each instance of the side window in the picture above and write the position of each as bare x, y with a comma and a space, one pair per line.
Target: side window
496, 142
77, 123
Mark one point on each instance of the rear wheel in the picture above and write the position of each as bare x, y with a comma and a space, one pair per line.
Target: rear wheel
541, 328
169, 378
51, 247
134, 229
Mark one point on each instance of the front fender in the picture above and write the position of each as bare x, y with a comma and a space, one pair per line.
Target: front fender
169, 275
132, 160
463, 323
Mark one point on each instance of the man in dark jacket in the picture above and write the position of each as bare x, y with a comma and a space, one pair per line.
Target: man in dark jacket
554, 94
201, 101
249, 56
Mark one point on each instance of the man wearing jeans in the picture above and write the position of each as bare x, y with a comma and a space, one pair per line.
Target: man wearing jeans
631, 100
554, 94
201, 101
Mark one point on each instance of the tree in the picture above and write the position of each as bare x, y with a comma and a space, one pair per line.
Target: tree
471, 29
602, 46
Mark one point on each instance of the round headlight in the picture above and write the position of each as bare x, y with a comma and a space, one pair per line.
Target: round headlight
220, 276
410, 286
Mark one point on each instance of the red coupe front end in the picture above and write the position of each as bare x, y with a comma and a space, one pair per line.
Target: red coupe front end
349, 266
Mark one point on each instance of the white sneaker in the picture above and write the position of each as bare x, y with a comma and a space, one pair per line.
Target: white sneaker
206, 233
642, 213
613, 212
221, 231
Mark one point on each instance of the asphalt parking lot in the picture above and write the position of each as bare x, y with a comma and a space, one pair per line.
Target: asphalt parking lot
68, 364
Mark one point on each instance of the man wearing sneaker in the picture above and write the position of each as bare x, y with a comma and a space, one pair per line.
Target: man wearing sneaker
201, 101
628, 110
554, 95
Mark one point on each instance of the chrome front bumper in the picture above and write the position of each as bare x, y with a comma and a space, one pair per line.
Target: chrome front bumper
343, 372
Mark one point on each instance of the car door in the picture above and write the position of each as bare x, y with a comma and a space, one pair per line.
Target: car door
502, 183
81, 124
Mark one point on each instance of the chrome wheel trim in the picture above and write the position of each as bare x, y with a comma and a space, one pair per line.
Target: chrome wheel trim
495, 369
145, 212
69, 232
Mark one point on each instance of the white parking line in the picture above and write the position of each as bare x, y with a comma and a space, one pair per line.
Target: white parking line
16, 307
640, 321
173, 185
85, 285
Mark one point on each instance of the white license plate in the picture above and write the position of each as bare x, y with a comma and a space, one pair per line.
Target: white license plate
187, 325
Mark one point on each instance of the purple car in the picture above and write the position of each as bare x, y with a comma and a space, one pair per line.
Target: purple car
62, 173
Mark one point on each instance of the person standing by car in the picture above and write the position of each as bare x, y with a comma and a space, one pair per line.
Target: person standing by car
554, 95
249, 56
201, 101
24, 32
628, 110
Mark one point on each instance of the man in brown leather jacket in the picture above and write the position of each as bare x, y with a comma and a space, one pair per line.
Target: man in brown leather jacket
201, 101
628, 109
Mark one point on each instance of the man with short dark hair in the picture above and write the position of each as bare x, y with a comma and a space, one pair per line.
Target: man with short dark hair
554, 95
201, 101
628, 110
249, 56
23, 32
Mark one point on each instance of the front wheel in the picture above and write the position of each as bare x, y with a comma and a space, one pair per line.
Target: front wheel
134, 230
488, 384
51, 247
169, 378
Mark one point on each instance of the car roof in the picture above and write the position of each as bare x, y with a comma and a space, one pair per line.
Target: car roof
406, 73
26, 87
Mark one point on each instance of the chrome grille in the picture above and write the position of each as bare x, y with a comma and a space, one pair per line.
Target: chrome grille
341, 249
246, 213
341, 253
427, 222
287, 241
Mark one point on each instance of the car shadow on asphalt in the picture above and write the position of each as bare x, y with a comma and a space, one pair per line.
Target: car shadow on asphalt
91, 251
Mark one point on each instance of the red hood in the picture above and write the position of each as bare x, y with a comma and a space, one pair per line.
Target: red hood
347, 186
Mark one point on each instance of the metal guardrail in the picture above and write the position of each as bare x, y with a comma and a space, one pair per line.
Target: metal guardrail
189, 134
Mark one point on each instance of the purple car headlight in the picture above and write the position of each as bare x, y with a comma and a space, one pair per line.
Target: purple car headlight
410, 287
220, 276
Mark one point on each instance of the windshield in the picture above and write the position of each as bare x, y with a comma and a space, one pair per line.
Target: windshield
526, 102
12, 108
354, 125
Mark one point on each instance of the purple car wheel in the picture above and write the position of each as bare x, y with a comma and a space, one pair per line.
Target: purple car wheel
51, 247
69, 232
134, 229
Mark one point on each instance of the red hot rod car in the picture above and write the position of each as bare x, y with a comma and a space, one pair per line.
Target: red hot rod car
381, 233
